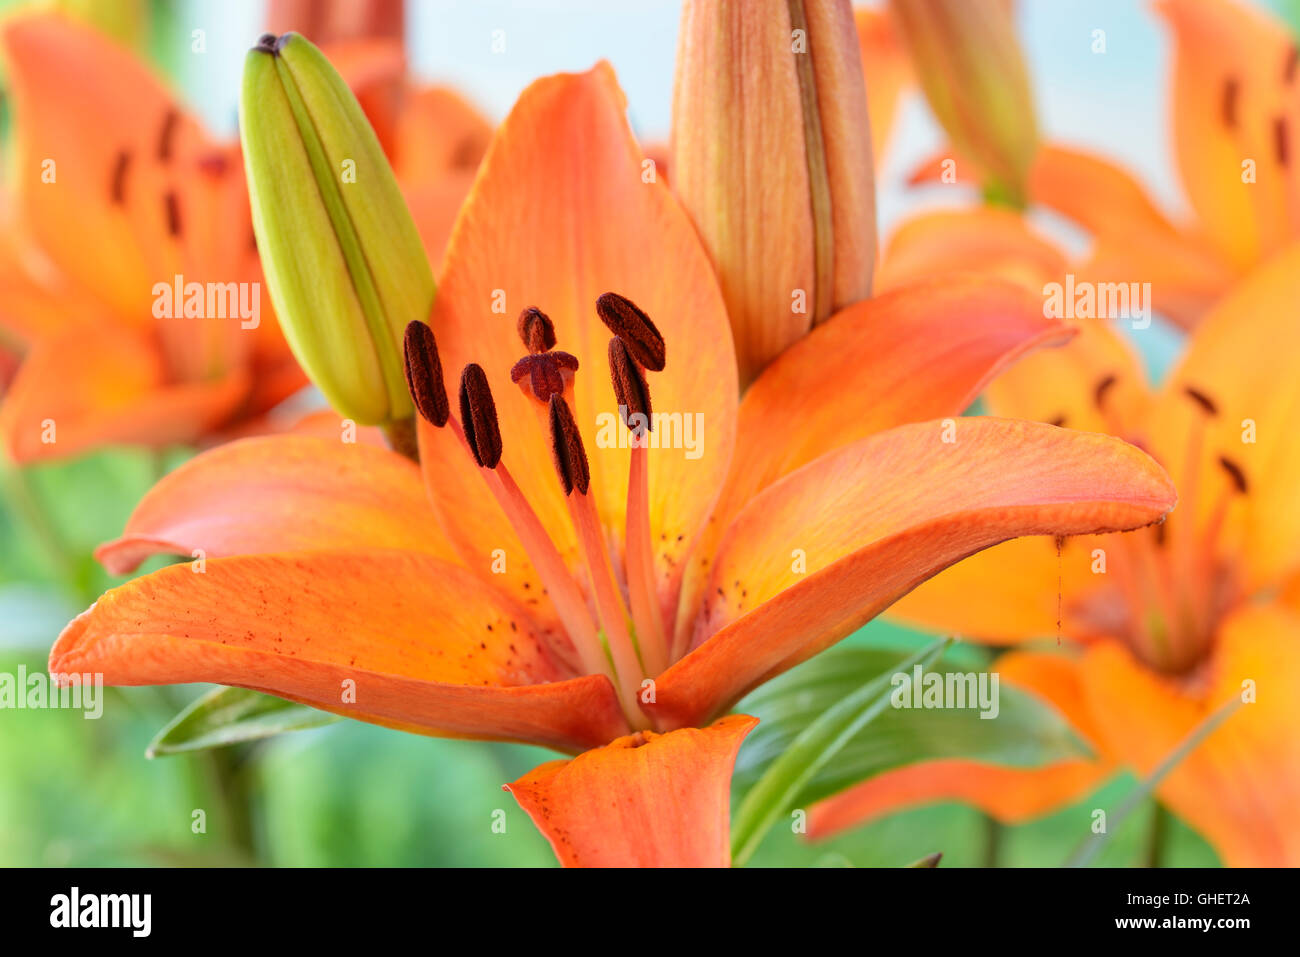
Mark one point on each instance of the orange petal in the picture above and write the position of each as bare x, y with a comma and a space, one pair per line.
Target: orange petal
1010, 794
886, 69
1240, 787
559, 214
829, 547
101, 386
419, 644
908, 355
1095, 383
1187, 273
645, 800
438, 132
434, 207
1011, 592
991, 241
85, 103
1234, 103
1243, 358
280, 494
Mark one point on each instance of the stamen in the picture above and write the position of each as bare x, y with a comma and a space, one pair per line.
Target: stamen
1201, 399
1229, 103
547, 374
1281, 141
1288, 71
1103, 387
424, 373
117, 191
629, 388
634, 327
634, 405
567, 450
165, 137
478, 414
536, 330
173, 208
1235, 473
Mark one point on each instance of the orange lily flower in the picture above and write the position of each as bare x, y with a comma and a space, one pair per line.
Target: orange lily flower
1233, 117
1167, 624
116, 190
527, 585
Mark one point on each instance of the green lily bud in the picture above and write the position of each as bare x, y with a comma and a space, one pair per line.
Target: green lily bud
342, 257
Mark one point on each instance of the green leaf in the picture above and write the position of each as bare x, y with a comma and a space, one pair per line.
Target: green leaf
787, 777
227, 716
1026, 732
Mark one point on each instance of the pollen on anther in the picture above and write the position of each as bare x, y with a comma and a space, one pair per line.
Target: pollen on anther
117, 189
478, 414
630, 387
567, 450
423, 369
630, 323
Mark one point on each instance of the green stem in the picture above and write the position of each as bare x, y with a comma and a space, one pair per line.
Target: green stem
1158, 838
26, 505
993, 833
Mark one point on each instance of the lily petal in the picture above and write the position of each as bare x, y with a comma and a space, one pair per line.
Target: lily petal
644, 800
1242, 359
1133, 238
559, 215
1010, 794
103, 385
887, 70
120, 145
1234, 104
988, 240
424, 646
1240, 787
829, 547
915, 353
281, 494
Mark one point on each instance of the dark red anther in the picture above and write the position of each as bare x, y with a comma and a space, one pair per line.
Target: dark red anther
1201, 399
626, 320
173, 208
1103, 387
117, 189
1235, 473
478, 415
629, 387
424, 373
170, 121
536, 330
1228, 105
567, 450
